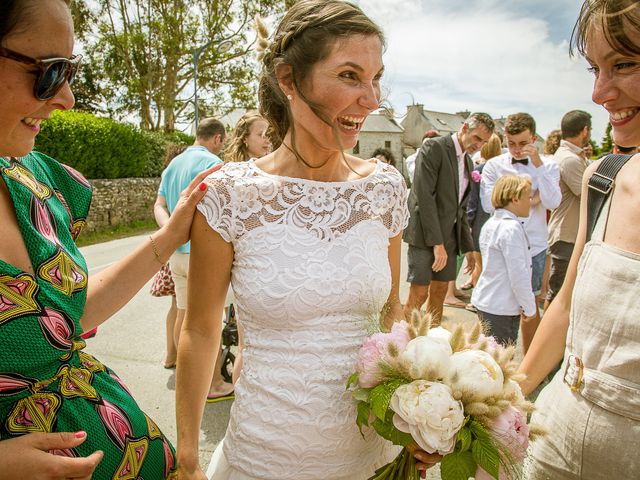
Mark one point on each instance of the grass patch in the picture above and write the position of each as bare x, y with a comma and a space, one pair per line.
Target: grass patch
121, 231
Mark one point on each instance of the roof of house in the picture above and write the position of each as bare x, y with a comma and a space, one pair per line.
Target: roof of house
448, 122
378, 122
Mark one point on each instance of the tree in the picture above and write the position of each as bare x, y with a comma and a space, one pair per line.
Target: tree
86, 88
607, 141
146, 50
595, 149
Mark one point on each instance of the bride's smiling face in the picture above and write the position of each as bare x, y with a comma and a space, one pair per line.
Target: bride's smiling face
345, 85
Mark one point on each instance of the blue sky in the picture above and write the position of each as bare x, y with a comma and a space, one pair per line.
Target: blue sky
485, 55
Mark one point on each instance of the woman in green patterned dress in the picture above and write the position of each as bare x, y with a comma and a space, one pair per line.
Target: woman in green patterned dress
47, 383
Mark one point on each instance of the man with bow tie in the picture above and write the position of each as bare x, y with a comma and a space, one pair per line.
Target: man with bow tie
438, 228
523, 159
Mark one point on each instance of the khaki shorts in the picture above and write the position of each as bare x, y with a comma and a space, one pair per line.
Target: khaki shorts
179, 269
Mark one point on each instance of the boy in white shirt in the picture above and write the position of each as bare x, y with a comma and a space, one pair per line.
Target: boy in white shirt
504, 291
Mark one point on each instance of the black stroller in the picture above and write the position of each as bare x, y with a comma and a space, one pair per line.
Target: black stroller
229, 339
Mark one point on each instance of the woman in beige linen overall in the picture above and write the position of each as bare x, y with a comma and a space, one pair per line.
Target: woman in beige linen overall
591, 408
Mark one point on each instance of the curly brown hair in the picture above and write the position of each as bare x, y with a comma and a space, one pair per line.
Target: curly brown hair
519, 122
552, 142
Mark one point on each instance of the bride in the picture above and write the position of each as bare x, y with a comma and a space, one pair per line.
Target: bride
309, 238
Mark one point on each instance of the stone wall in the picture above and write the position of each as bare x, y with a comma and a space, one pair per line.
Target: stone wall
121, 201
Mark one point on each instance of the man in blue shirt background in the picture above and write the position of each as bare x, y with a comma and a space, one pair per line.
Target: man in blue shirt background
202, 155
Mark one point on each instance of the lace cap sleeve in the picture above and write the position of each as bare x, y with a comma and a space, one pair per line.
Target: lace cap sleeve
398, 217
217, 206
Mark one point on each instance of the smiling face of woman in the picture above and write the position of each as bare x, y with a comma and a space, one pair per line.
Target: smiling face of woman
45, 31
617, 82
346, 87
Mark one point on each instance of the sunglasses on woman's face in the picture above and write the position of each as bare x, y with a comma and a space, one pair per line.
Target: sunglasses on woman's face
52, 74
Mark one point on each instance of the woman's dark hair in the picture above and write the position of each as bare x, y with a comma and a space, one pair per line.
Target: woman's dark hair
386, 153
617, 18
304, 37
13, 13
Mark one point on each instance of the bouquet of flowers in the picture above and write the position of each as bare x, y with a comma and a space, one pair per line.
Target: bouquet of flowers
451, 391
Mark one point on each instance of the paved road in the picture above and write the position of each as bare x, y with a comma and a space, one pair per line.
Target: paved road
132, 344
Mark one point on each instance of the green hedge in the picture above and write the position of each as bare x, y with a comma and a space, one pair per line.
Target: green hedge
103, 148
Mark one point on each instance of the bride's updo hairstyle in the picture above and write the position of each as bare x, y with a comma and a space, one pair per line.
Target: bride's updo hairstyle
304, 37
619, 21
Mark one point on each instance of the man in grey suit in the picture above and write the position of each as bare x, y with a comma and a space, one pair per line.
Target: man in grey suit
438, 229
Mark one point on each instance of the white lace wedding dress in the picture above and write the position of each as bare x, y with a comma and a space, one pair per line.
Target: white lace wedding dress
310, 276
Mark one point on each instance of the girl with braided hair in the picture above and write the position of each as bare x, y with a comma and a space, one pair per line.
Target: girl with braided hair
310, 239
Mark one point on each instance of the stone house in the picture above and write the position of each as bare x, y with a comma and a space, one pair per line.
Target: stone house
418, 120
380, 130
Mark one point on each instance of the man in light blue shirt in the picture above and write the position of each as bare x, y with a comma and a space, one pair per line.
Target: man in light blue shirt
175, 178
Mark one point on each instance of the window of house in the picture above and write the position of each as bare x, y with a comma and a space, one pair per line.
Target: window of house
387, 144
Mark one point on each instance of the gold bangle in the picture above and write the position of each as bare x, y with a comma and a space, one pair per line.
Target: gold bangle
155, 250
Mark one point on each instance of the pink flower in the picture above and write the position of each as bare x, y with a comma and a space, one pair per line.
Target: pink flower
491, 343
476, 176
511, 430
375, 350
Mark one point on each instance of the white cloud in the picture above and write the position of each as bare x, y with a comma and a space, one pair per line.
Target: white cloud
484, 55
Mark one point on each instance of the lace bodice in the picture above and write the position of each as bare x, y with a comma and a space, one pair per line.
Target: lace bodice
310, 276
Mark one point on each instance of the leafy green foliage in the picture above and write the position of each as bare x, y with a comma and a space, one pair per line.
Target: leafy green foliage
464, 439
361, 394
381, 395
364, 410
387, 431
352, 380
486, 455
102, 148
148, 49
458, 466
607, 140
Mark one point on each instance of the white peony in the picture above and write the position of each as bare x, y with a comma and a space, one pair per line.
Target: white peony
426, 358
439, 333
513, 392
428, 412
475, 372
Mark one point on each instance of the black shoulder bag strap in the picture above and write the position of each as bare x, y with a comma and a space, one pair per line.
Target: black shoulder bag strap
600, 186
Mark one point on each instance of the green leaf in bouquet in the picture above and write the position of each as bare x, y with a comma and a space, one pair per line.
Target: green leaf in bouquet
380, 396
352, 380
361, 394
486, 455
391, 433
458, 466
478, 430
464, 439
363, 415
